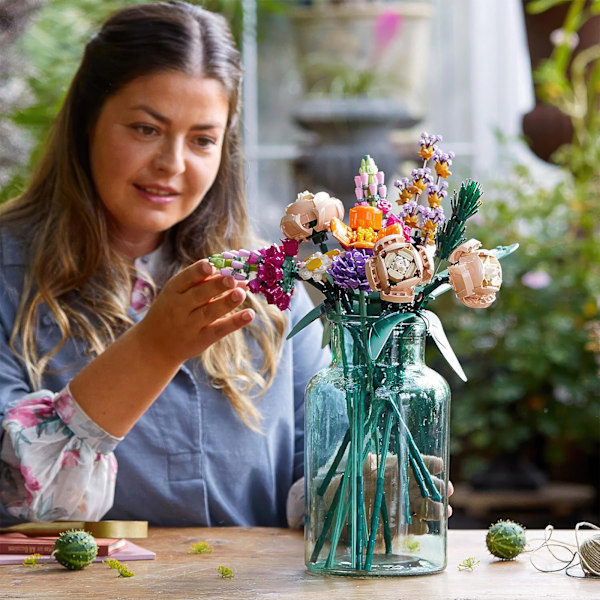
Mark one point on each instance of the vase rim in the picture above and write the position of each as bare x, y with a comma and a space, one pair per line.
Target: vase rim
415, 322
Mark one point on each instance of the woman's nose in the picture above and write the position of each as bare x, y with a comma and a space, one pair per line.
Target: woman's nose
170, 157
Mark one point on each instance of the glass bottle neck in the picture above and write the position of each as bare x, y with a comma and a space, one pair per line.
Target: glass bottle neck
356, 339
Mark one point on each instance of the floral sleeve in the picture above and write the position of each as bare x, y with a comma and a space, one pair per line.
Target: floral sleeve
55, 462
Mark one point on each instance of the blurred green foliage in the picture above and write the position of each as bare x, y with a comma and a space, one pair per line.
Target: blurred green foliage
530, 374
532, 362
53, 45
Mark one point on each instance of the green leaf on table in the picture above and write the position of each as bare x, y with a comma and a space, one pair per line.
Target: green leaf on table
436, 331
306, 320
381, 331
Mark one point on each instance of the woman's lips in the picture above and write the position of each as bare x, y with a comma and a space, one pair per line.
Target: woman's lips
156, 193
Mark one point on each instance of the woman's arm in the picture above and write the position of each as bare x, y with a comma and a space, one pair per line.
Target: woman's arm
192, 312
55, 463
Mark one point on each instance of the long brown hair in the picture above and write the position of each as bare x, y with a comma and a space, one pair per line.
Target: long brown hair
72, 269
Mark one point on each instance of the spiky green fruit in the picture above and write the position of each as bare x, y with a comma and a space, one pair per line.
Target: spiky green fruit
506, 539
75, 549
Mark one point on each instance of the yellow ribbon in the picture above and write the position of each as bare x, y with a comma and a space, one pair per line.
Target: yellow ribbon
101, 529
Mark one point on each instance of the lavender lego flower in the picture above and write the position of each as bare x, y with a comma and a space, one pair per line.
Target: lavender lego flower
437, 215
409, 209
424, 214
428, 145
405, 194
422, 173
429, 140
438, 189
443, 161
348, 270
421, 178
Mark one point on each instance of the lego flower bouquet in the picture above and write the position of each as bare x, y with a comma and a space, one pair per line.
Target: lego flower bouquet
376, 441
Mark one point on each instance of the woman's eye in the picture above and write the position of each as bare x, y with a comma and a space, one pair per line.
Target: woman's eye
204, 142
145, 130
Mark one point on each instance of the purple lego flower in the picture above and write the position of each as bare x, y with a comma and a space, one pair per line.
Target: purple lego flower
425, 214
348, 270
401, 183
422, 173
255, 285
443, 157
290, 247
269, 273
273, 255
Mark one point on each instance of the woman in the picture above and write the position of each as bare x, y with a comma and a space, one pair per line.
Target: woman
142, 177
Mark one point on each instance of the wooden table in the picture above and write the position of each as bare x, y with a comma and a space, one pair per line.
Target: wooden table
268, 563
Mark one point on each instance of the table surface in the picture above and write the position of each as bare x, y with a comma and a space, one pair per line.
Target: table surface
268, 563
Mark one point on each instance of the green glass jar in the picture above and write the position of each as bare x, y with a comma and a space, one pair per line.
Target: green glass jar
376, 454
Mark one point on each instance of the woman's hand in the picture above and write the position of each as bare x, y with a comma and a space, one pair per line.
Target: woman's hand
422, 509
193, 311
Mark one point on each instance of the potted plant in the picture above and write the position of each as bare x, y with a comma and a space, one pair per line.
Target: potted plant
534, 391
363, 67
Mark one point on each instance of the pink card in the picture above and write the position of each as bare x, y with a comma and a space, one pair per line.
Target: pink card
130, 552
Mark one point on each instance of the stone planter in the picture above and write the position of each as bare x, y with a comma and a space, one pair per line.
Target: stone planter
363, 68
386, 42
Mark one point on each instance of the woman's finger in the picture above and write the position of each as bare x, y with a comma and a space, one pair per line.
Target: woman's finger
217, 308
224, 326
191, 276
434, 464
429, 510
211, 289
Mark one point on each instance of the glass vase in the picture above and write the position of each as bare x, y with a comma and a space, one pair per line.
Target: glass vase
376, 454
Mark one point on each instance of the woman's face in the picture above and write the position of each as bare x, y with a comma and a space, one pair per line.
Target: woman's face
155, 151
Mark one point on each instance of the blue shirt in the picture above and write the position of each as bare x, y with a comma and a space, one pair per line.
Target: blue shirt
189, 460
